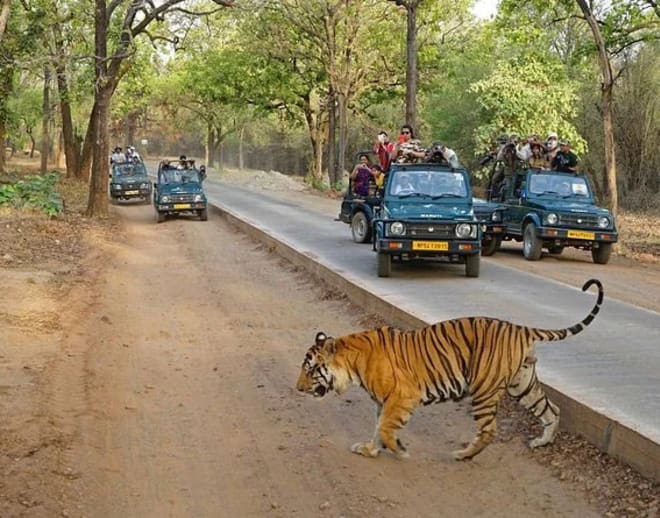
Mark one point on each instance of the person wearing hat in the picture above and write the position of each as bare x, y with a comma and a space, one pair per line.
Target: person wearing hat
565, 160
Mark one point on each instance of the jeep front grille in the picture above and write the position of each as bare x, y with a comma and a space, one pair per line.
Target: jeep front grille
430, 230
186, 198
578, 220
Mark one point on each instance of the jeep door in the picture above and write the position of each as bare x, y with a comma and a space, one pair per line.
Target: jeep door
516, 195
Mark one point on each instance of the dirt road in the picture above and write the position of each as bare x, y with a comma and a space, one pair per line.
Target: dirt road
172, 394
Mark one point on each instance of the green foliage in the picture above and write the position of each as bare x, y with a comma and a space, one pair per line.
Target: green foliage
525, 98
34, 191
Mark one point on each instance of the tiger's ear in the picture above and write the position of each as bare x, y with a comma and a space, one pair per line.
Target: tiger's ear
320, 339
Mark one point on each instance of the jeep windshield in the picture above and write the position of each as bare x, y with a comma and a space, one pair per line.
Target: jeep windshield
179, 176
120, 170
559, 186
428, 183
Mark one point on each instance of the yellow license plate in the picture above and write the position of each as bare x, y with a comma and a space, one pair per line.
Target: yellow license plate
443, 246
578, 234
182, 205
131, 192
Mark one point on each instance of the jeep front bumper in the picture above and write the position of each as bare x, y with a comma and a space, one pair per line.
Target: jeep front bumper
181, 207
428, 248
577, 237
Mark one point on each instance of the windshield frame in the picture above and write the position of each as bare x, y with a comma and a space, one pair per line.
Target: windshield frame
430, 183
555, 187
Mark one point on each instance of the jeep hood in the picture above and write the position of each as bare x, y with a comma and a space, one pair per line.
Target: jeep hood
186, 188
560, 205
428, 210
140, 178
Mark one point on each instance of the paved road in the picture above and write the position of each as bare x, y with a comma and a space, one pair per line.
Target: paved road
613, 367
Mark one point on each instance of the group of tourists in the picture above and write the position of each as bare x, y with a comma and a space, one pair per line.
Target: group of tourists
514, 153
406, 149
119, 157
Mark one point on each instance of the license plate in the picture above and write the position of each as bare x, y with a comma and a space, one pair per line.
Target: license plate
578, 234
131, 192
182, 205
430, 245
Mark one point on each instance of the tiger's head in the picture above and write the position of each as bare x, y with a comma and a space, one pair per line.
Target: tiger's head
315, 376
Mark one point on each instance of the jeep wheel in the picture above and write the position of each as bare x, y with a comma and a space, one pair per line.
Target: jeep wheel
472, 263
384, 265
531, 243
556, 250
204, 214
601, 255
488, 248
160, 216
360, 228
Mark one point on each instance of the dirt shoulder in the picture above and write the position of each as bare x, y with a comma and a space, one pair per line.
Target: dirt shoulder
161, 383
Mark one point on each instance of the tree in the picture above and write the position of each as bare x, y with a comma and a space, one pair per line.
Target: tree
5, 6
118, 29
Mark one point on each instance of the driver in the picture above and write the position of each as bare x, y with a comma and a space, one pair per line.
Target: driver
403, 184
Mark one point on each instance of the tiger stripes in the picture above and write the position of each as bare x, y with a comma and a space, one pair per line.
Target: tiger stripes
479, 357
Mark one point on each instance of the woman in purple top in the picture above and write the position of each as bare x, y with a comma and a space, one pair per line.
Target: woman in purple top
361, 175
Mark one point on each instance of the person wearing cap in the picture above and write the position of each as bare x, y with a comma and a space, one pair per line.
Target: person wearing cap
565, 160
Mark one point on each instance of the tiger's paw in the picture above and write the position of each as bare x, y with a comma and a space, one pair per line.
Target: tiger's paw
465, 454
366, 449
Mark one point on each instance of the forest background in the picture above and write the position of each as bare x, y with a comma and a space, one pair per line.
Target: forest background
301, 86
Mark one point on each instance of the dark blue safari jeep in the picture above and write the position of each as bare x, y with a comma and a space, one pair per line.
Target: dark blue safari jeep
426, 213
553, 210
358, 211
492, 228
178, 190
129, 180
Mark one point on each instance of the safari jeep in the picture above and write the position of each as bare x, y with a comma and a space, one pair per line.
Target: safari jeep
553, 210
492, 229
179, 191
129, 180
426, 213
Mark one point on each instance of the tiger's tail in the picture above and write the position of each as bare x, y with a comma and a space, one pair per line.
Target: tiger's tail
559, 334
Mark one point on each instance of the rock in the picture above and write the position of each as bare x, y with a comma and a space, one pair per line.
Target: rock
325, 505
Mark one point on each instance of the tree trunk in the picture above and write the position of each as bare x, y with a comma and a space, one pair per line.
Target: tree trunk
45, 122
5, 6
411, 64
332, 144
241, 163
606, 105
97, 203
341, 152
6, 82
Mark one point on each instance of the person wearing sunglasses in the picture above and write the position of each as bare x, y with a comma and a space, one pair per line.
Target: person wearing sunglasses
408, 148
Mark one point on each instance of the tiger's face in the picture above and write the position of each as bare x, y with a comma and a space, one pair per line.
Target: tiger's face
315, 377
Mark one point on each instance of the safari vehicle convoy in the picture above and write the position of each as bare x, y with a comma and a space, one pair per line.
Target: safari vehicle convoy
178, 190
424, 213
552, 210
129, 180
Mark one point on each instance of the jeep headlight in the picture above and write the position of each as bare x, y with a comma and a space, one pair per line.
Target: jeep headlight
164, 199
116, 186
397, 228
464, 230
496, 217
603, 222
198, 197
144, 186
551, 219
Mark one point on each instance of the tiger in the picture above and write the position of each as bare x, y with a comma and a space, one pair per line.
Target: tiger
479, 357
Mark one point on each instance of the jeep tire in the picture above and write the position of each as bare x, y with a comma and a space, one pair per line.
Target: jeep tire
491, 246
203, 214
531, 243
384, 265
360, 227
472, 263
601, 255
160, 216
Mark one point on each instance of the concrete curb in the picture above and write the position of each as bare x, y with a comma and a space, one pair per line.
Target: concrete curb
608, 435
